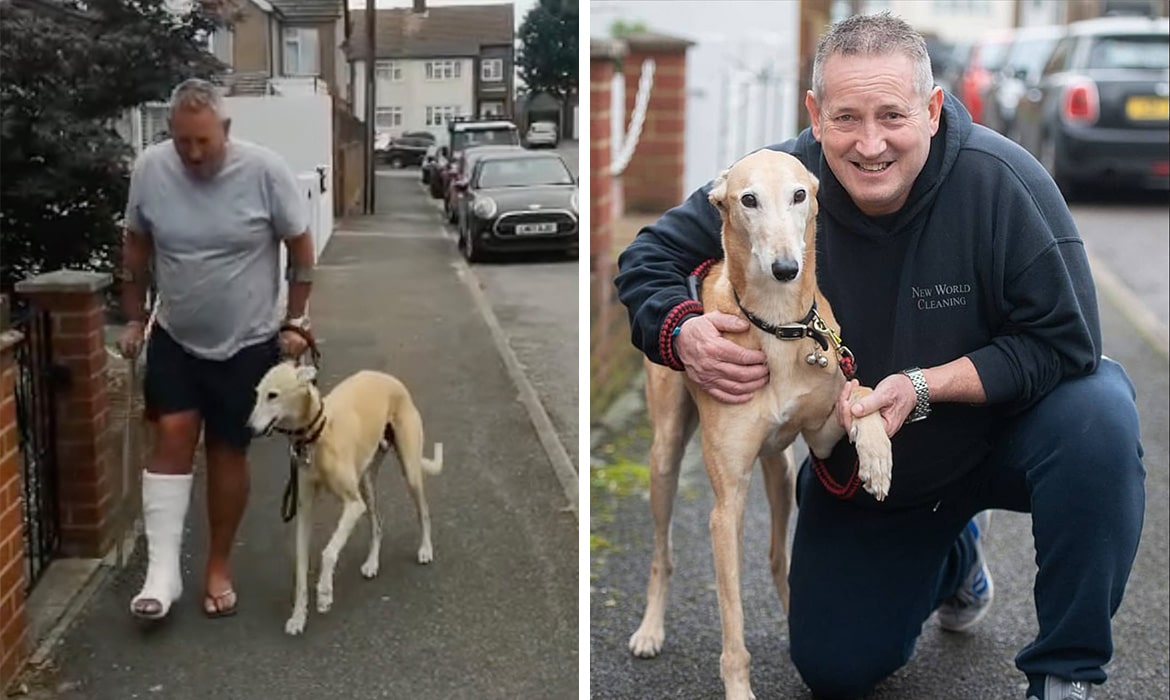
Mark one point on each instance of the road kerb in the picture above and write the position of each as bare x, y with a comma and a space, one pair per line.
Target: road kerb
1148, 327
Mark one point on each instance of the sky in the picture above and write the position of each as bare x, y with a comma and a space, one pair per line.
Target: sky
521, 7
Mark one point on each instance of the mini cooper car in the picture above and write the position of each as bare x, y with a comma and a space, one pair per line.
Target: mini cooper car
515, 201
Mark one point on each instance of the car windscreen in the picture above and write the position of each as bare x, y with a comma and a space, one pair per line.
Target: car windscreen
992, 54
1030, 55
1150, 52
523, 172
485, 137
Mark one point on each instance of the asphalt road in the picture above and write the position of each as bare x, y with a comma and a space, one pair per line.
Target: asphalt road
977, 666
494, 616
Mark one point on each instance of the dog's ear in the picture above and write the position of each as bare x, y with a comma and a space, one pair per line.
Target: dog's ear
816, 184
307, 373
718, 193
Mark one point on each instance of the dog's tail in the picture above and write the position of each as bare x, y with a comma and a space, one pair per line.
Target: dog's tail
434, 465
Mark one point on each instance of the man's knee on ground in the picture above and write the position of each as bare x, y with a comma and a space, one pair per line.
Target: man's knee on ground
834, 672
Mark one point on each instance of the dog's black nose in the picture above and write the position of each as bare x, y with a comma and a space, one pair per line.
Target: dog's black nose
785, 269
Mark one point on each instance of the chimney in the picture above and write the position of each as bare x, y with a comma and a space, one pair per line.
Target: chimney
420, 7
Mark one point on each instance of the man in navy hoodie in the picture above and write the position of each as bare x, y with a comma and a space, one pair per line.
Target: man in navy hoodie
942, 246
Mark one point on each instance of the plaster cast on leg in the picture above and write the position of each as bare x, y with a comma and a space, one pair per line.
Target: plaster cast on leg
164, 508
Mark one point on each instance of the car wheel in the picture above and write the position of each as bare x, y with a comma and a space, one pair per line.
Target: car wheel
1048, 160
471, 250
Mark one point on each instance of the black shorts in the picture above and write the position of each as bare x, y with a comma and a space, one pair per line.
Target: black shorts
222, 391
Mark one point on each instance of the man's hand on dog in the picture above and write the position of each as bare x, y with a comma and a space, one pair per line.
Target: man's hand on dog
725, 370
292, 344
130, 343
894, 397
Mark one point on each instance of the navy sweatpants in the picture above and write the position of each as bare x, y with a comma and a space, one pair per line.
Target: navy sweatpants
864, 581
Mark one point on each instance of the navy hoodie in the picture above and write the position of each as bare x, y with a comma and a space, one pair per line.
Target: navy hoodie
983, 260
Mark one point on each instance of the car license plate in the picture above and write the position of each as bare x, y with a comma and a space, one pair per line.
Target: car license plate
527, 229
1147, 108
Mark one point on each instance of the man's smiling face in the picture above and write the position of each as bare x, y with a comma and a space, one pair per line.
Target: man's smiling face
874, 128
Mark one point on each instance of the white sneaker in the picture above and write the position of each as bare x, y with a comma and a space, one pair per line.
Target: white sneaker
973, 599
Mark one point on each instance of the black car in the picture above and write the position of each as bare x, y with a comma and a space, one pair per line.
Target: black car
406, 150
518, 201
1100, 113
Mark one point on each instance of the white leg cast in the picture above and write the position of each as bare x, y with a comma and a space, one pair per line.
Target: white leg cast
165, 498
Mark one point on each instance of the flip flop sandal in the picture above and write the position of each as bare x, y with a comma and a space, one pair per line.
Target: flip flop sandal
217, 608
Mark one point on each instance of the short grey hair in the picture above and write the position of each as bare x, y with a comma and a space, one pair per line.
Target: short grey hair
197, 94
873, 35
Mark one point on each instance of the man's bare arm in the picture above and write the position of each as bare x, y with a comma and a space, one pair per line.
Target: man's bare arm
301, 260
137, 250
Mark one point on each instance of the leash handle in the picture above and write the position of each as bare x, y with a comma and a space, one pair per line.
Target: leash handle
307, 335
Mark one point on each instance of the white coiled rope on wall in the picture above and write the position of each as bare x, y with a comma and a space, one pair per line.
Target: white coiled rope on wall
637, 119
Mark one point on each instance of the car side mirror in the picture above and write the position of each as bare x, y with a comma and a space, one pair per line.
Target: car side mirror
1021, 74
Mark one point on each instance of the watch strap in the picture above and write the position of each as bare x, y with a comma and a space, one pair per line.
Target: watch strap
921, 392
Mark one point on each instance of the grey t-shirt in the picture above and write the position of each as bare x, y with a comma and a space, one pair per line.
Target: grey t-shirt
217, 243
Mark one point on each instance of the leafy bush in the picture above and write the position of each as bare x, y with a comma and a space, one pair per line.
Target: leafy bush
69, 73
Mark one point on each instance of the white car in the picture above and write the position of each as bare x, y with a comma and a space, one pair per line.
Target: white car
541, 134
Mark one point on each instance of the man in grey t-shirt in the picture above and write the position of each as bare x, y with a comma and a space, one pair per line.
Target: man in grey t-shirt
207, 216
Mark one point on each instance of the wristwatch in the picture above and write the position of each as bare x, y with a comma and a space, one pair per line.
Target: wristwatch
921, 391
301, 322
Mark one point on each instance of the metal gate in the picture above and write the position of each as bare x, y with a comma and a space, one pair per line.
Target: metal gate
36, 419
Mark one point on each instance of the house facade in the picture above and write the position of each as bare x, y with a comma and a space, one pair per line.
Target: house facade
435, 65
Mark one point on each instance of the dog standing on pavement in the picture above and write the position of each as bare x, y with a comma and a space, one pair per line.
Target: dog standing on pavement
767, 202
346, 433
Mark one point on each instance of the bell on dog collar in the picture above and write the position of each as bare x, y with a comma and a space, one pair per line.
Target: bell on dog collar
823, 361
811, 359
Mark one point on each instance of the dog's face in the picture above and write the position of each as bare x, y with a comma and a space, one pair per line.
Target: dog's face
768, 202
282, 398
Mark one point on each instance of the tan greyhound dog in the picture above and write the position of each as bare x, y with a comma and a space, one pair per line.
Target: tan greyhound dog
346, 434
768, 205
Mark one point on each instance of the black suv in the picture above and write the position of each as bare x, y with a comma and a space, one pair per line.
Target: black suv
405, 150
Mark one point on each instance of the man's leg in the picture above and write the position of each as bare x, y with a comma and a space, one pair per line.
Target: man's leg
1075, 460
171, 400
229, 394
863, 581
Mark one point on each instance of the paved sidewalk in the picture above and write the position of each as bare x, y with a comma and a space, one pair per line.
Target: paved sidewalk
494, 616
975, 666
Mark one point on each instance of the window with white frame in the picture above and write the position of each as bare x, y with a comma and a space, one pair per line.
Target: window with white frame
443, 70
300, 51
439, 116
388, 71
491, 70
387, 118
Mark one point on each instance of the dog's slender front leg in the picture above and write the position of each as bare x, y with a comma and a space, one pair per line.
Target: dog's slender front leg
729, 464
349, 516
780, 485
367, 485
296, 622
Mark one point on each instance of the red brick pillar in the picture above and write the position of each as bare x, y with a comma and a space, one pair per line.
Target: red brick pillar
13, 623
604, 311
654, 179
85, 478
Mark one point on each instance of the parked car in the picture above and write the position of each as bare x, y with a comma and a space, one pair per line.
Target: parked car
518, 201
462, 133
463, 164
1100, 112
984, 60
541, 134
1025, 58
409, 149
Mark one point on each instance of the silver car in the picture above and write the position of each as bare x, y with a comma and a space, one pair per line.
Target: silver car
541, 134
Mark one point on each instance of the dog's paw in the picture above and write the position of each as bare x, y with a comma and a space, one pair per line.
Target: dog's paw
646, 643
874, 457
425, 553
295, 624
370, 569
324, 600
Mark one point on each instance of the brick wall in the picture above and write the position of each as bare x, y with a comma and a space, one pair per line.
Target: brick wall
86, 470
653, 180
13, 622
